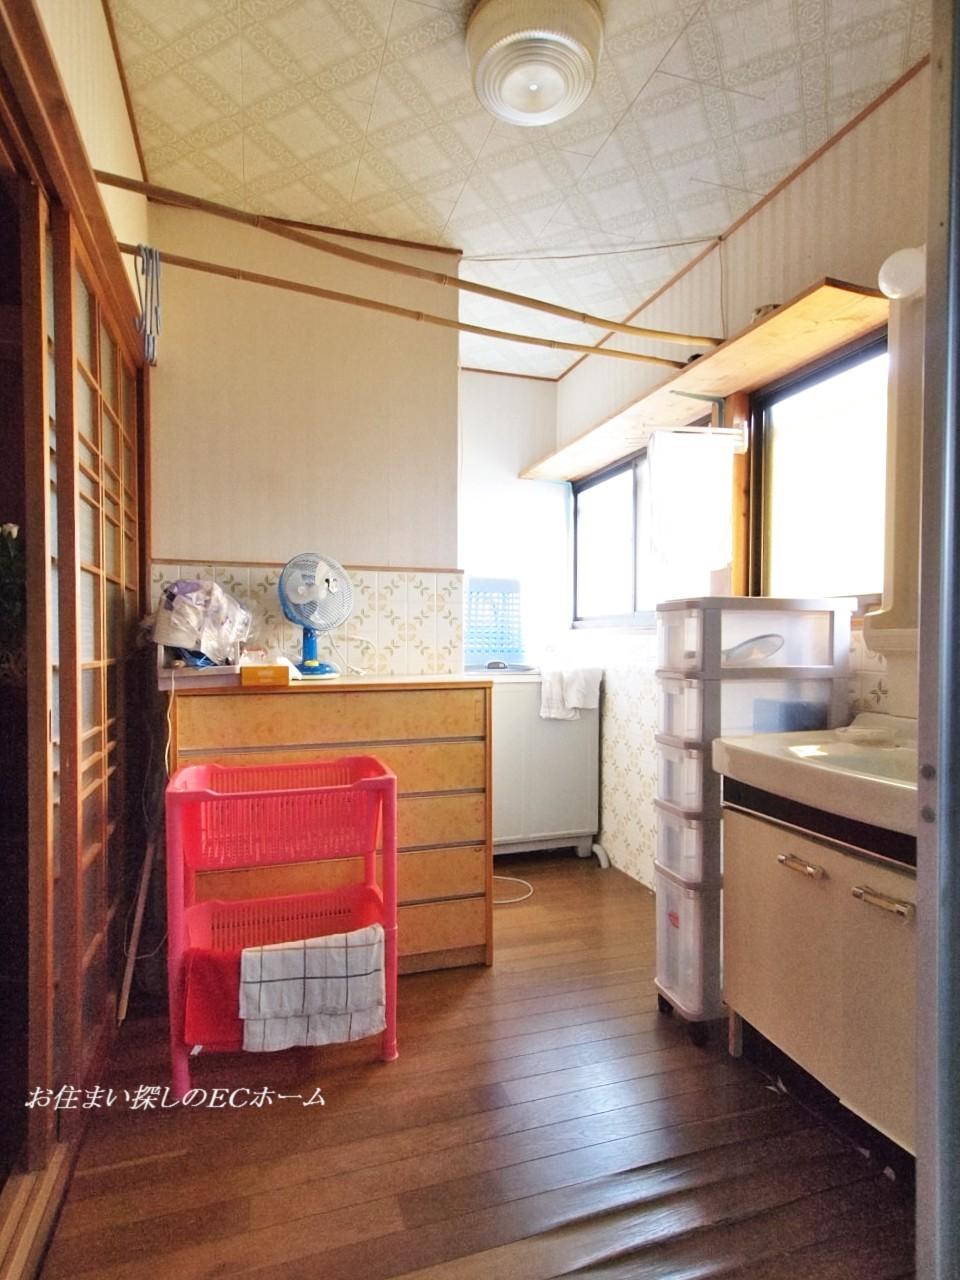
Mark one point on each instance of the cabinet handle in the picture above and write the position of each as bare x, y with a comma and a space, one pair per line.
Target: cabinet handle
793, 863
896, 906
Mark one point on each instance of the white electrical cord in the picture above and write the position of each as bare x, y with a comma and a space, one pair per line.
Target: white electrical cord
357, 671
505, 902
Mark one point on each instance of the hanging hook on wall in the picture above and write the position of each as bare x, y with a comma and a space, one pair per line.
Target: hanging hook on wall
147, 272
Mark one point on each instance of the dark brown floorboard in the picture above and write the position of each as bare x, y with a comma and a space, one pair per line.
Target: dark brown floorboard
543, 1120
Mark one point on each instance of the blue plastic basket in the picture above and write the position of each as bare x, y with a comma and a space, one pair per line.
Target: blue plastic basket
492, 631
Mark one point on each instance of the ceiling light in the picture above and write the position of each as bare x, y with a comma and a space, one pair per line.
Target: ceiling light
533, 61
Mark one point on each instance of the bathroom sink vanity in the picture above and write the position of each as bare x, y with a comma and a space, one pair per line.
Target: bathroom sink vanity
819, 910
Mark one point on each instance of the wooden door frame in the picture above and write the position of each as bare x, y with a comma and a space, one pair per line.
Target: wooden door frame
33, 223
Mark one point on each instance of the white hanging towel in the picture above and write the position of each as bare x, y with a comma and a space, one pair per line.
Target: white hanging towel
563, 694
315, 991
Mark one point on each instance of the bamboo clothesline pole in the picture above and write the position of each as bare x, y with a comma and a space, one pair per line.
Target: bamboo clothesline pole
407, 313
179, 199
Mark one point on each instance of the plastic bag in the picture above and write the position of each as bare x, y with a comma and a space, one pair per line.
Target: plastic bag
198, 615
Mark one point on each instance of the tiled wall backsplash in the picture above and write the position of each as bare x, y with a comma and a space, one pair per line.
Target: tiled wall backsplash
403, 622
882, 684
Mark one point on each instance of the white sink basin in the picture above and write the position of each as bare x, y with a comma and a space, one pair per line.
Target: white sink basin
867, 771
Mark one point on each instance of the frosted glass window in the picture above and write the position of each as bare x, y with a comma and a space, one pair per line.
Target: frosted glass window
825, 464
606, 535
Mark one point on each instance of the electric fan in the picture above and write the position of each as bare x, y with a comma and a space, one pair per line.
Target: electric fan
316, 594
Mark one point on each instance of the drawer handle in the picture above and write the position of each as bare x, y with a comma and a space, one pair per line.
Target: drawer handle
896, 906
793, 863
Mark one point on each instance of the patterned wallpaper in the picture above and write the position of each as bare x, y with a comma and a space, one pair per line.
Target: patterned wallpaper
628, 757
403, 623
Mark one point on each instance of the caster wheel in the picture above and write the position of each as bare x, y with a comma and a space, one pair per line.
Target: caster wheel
698, 1034
664, 1006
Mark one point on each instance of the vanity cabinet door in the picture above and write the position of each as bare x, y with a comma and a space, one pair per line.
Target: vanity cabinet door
782, 949
824, 965
878, 1063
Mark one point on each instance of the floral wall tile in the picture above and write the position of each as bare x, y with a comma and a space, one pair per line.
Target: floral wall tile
449, 622
422, 623
874, 692
403, 623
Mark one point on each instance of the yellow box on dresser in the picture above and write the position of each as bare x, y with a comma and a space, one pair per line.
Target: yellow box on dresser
433, 732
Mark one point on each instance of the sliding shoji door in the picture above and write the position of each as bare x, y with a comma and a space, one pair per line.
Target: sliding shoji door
81, 432
100, 608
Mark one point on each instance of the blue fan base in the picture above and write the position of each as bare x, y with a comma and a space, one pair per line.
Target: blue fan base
317, 670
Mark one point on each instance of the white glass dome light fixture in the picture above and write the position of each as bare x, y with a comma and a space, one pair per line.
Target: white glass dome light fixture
534, 61
904, 274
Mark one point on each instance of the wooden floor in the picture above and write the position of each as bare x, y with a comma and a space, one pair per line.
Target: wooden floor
542, 1120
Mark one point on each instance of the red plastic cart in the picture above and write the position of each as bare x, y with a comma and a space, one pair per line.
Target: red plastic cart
226, 819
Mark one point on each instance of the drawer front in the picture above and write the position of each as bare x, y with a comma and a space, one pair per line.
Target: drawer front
441, 819
442, 926
423, 875
419, 766
311, 716
782, 951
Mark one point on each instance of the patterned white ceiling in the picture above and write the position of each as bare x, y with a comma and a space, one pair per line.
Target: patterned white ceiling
360, 114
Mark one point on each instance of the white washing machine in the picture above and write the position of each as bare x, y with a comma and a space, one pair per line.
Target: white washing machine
546, 773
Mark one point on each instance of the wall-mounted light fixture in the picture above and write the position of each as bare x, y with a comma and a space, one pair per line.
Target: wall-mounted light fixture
904, 273
534, 61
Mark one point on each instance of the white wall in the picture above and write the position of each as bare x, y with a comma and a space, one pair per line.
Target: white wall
284, 423
78, 34
512, 528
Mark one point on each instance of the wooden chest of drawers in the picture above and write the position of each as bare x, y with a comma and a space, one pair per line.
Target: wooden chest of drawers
435, 735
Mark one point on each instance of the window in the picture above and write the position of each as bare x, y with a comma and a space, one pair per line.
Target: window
604, 510
822, 464
611, 537
656, 527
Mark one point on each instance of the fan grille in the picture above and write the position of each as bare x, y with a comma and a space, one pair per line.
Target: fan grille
315, 592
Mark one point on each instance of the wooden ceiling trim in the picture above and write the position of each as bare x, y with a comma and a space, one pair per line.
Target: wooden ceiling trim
825, 317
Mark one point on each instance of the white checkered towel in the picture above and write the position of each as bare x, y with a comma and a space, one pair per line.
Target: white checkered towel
316, 991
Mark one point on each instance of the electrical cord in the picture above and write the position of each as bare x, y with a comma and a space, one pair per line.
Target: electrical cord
506, 902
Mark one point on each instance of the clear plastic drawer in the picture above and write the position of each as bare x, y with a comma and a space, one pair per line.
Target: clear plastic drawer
680, 709
776, 638
689, 847
680, 639
688, 946
700, 710
721, 639
774, 706
680, 776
